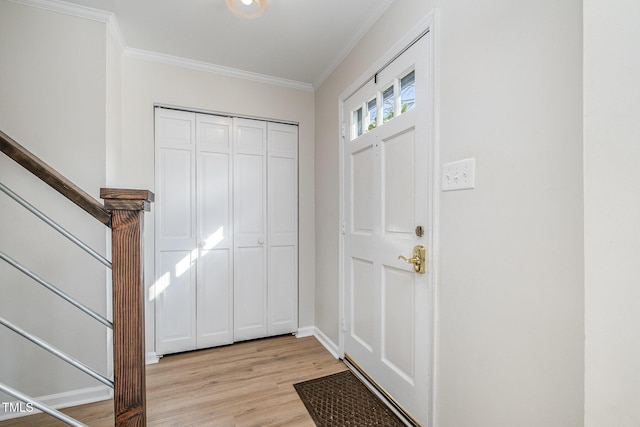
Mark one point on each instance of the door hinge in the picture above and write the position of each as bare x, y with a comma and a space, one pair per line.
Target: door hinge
343, 326
343, 228
344, 133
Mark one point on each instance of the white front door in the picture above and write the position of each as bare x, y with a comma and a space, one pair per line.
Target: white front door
387, 166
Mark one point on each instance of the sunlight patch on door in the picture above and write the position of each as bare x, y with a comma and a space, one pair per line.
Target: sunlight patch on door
185, 263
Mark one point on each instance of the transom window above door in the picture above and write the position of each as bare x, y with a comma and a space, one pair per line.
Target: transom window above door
396, 98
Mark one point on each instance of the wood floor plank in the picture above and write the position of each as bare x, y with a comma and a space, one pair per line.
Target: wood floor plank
247, 384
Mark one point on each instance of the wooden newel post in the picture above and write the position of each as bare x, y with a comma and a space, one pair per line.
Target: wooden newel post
127, 209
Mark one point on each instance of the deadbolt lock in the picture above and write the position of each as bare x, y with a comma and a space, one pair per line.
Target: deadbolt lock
419, 259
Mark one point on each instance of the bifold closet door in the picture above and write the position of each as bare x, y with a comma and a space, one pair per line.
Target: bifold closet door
250, 227
266, 229
226, 226
194, 231
214, 288
282, 225
174, 290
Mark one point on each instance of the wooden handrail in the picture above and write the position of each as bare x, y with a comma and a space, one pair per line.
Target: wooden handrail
58, 182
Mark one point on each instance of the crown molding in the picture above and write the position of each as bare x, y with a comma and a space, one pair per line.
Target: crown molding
146, 55
114, 30
375, 14
69, 9
116, 34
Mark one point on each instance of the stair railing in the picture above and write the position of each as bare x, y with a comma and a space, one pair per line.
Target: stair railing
123, 212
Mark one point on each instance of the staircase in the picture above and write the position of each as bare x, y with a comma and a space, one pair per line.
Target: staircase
122, 212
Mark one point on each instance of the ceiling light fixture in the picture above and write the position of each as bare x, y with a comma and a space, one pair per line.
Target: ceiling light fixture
248, 8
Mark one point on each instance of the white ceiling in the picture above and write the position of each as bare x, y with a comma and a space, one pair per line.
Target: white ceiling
299, 40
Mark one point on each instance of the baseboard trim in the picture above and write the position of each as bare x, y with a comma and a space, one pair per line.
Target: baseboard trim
326, 342
151, 357
62, 400
307, 331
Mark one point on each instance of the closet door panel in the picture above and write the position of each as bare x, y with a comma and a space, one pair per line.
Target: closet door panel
214, 199
249, 195
175, 225
215, 233
283, 228
250, 299
283, 290
283, 201
176, 216
214, 180
250, 136
175, 302
175, 179
250, 223
214, 298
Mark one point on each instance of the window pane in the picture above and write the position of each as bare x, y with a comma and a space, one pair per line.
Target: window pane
357, 123
387, 104
372, 113
408, 92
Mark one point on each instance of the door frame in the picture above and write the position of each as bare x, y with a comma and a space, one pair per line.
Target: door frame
428, 23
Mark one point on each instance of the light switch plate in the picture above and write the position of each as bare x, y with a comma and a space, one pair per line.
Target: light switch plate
460, 175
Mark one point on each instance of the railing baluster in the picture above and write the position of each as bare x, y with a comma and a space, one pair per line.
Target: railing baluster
41, 406
56, 290
51, 349
28, 206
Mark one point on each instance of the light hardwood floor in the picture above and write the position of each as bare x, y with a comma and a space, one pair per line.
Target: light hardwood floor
244, 384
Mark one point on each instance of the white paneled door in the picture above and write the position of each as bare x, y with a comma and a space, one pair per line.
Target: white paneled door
174, 289
226, 230
250, 194
282, 215
266, 246
387, 214
214, 219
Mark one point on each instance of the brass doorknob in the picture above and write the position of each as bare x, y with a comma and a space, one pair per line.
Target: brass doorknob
419, 259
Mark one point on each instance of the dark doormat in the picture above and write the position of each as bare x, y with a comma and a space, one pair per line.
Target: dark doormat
343, 400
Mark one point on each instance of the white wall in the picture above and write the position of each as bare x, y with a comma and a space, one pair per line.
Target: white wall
510, 322
510, 347
612, 212
52, 87
113, 94
146, 83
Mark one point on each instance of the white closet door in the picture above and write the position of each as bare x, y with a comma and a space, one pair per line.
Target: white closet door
250, 223
214, 231
282, 181
174, 289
